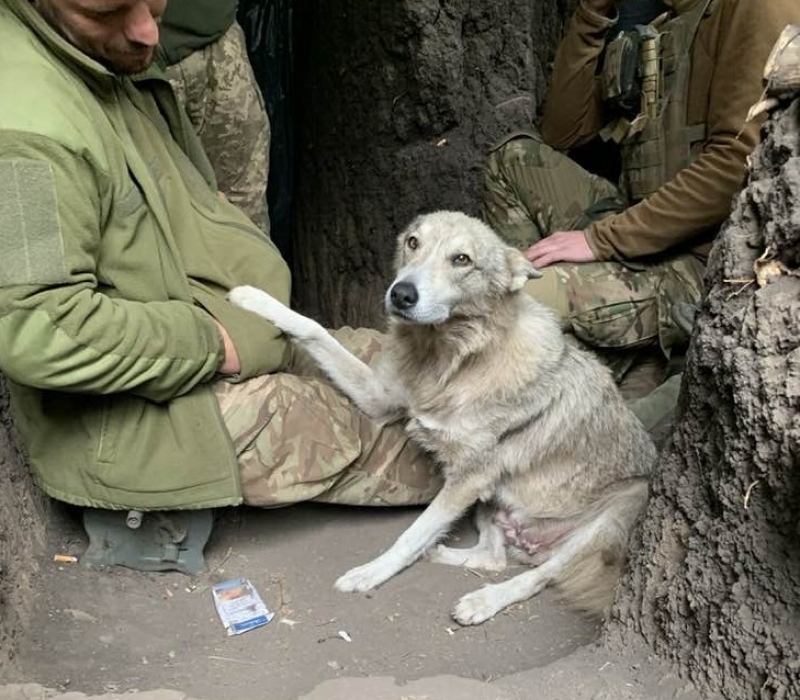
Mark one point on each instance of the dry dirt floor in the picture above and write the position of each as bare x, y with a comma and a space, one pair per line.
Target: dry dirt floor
120, 631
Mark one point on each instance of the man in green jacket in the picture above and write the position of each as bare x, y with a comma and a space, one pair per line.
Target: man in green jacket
618, 259
134, 383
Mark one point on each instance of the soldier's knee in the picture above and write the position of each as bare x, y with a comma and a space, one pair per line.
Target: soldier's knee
519, 150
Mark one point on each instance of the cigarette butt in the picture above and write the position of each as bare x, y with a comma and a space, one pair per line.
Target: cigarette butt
65, 558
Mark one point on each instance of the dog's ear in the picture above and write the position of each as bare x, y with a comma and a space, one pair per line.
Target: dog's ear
521, 268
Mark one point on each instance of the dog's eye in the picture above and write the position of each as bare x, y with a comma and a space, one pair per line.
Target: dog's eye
412, 242
462, 260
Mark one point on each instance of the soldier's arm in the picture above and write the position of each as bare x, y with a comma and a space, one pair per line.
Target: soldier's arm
573, 112
689, 209
58, 329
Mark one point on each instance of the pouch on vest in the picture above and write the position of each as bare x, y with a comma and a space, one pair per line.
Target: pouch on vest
657, 142
621, 77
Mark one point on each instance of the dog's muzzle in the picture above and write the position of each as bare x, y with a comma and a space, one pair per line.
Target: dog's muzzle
403, 296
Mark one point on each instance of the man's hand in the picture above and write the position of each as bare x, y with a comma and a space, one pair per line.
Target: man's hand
561, 246
230, 363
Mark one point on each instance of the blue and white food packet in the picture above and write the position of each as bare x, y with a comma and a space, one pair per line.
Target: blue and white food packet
239, 606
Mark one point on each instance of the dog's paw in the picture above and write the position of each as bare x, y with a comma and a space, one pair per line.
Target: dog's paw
255, 300
266, 306
361, 578
477, 607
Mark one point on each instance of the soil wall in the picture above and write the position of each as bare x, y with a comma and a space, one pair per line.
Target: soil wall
397, 105
715, 583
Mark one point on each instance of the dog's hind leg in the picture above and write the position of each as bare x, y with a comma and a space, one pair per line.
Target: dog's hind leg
488, 554
480, 605
379, 399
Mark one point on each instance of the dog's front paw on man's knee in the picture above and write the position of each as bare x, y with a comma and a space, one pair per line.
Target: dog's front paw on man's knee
476, 607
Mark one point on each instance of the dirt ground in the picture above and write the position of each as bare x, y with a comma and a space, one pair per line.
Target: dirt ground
118, 631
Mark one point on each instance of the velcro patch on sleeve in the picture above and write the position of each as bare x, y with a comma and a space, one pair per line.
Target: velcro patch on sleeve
31, 244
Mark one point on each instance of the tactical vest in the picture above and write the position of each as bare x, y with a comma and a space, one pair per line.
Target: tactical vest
656, 143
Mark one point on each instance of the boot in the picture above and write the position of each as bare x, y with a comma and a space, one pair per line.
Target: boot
151, 541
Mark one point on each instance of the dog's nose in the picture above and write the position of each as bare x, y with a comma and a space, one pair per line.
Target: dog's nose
403, 295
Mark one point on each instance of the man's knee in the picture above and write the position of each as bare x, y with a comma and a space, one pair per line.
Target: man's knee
518, 150
513, 205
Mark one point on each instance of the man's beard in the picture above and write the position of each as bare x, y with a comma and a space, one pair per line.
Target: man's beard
135, 65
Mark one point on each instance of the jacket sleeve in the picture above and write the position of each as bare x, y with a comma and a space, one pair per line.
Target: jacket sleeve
573, 110
61, 327
688, 210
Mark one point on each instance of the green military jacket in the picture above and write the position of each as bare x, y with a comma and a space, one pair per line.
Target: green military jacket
115, 254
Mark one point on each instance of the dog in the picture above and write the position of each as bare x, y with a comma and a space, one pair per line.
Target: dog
521, 422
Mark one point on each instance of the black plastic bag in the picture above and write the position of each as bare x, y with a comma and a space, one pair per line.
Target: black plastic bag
267, 26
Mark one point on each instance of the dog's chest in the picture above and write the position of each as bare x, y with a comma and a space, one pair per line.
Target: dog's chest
447, 407
450, 435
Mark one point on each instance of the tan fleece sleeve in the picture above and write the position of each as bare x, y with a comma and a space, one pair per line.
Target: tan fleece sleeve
573, 111
687, 211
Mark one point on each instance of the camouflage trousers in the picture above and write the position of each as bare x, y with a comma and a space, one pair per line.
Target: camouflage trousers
218, 89
298, 438
531, 191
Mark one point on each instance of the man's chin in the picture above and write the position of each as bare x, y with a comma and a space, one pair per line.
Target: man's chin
129, 64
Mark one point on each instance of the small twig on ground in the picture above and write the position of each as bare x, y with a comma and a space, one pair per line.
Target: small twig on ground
224, 559
235, 661
282, 598
328, 622
341, 634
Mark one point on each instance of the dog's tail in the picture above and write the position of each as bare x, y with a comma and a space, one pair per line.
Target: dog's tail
588, 581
